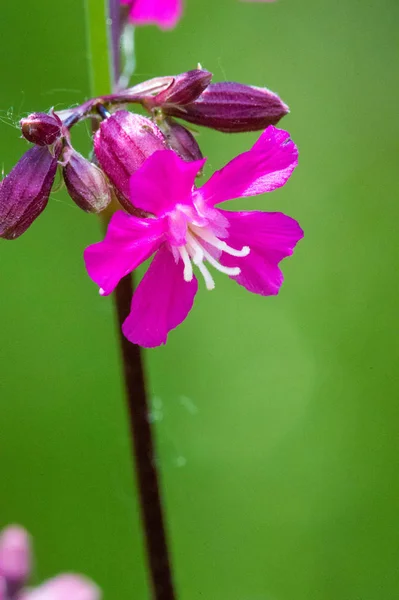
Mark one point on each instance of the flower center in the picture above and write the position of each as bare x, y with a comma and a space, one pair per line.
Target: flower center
202, 244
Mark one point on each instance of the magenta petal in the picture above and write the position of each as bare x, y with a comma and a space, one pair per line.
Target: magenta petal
164, 13
161, 301
64, 587
264, 168
163, 181
129, 241
270, 237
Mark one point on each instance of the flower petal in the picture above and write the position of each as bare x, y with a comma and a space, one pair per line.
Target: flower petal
264, 168
161, 301
129, 241
163, 181
271, 237
164, 13
15, 554
64, 587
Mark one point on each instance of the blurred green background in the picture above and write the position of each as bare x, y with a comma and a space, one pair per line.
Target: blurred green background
277, 418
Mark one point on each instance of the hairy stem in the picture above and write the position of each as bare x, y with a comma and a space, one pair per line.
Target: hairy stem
103, 50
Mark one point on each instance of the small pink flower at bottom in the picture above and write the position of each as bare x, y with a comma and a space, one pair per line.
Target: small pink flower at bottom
63, 587
15, 566
186, 231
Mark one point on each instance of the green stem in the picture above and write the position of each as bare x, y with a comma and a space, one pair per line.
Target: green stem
104, 75
100, 75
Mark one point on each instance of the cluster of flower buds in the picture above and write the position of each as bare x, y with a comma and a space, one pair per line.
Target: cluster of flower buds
15, 569
227, 107
24, 193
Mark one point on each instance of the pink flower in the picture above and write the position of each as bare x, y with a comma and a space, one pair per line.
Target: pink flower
186, 231
15, 566
63, 587
164, 13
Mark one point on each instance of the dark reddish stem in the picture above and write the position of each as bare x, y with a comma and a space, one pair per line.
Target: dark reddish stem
144, 454
142, 438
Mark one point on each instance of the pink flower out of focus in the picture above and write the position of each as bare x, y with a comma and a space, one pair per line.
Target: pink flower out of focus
186, 232
15, 567
164, 13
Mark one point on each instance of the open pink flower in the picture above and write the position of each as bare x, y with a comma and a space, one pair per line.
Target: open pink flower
164, 13
186, 231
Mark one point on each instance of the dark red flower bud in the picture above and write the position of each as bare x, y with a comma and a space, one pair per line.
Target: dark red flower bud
181, 140
86, 183
122, 144
232, 108
41, 129
25, 191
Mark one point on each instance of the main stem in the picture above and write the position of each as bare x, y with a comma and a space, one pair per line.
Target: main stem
144, 454
143, 444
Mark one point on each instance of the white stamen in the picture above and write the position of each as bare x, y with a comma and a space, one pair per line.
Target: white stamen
245, 250
199, 251
196, 251
101, 292
210, 284
193, 252
227, 270
188, 267
209, 237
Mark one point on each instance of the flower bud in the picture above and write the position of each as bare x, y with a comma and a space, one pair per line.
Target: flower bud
86, 183
122, 144
160, 91
232, 108
41, 129
185, 88
15, 558
145, 89
25, 191
181, 140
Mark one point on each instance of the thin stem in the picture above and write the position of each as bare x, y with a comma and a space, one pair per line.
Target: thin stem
129, 55
114, 36
143, 444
